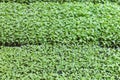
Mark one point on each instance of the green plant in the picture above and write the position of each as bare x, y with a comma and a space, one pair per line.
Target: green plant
60, 1
65, 23
51, 62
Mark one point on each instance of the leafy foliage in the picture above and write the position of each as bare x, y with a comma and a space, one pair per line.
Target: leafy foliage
69, 62
68, 27
65, 23
60, 1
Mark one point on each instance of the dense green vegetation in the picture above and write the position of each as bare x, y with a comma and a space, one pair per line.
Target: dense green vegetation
45, 40
60, 23
60, 1
59, 62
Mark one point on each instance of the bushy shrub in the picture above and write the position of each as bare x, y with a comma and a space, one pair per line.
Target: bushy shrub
59, 23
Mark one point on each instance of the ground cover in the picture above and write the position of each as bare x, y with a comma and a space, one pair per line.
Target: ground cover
66, 23
54, 41
59, 62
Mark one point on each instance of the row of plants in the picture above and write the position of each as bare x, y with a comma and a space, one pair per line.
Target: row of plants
59, 62
65, 23
60, 1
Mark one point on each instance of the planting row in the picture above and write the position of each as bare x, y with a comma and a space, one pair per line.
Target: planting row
60, 23
61, 1
59, 62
